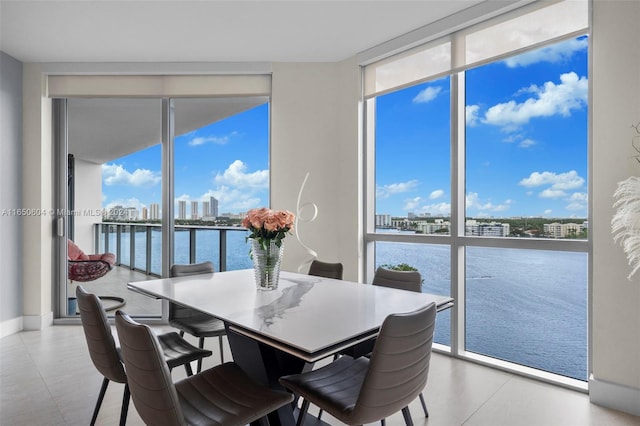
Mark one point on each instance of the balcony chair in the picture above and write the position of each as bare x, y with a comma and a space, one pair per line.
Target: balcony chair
222, 395
87, 267
326, 270
191, 321
365, 390
106, 356
84, 267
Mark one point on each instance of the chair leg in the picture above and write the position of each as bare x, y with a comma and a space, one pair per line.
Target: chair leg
125, 405
407, 416
187, 368
201, 346
303, 412
424, 405
320, 414
103, 390
221, 350
383, 422
181, 333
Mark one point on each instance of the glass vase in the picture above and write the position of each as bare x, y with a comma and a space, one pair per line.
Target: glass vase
266, 264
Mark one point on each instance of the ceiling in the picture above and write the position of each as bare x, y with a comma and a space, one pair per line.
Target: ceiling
101, 130
209, 30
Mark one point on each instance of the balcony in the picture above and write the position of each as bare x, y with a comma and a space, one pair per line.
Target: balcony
138, 248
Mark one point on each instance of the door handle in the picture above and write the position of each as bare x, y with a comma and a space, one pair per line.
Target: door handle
60, 226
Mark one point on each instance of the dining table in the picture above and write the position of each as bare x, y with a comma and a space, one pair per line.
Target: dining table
286, 330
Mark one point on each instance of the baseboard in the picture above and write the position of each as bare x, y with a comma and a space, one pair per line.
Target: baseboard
613, 395
11, 326
37, 322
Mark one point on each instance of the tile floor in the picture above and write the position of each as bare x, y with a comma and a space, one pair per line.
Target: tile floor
47, 378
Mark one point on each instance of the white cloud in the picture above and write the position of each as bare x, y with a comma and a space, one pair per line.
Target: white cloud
577, 202
427, 95
563, 181
556, 53
130, 202
116, 174
472, 115
552, 193
395, 188
557, 186
234, 199
416, 205
438, 193
548, 100
547, 212
439, 209
473, 202
236, 176
218, 140
413, 204
527, 143
579, 197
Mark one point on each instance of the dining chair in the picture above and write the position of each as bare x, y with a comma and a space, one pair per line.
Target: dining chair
402, 280
365, 390
105, 355
326, 270
222, 395
191, 321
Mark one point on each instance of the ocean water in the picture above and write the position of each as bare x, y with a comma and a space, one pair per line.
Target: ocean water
524, 306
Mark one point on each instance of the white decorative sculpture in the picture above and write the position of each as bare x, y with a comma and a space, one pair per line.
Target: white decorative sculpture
299, 217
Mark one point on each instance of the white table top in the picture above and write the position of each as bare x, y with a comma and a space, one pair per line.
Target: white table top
306, 315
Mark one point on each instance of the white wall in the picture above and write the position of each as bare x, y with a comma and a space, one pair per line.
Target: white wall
615, 319
37, 175
314, 129
10, 195
88, 177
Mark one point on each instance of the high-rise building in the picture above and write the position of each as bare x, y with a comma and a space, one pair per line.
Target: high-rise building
145, 213
154, 213
214, 206
182, 209
194, 210
205, 209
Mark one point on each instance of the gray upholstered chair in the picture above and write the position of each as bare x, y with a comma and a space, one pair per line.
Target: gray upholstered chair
364, 390
222, 395
191, 321
402, 280
326, 270
105, 354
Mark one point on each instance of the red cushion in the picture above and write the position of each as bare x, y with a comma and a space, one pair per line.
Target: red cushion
74, 252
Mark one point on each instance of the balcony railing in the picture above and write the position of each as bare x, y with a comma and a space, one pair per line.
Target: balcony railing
138, 246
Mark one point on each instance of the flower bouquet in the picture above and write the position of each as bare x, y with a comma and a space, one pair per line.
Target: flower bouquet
267, 230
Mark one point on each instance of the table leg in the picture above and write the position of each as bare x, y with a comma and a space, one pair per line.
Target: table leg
266, 365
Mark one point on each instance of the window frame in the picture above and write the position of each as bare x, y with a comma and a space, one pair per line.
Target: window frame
457, 240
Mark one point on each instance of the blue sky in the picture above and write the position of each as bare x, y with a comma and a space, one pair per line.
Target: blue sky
526, 132
227, 160
526, 154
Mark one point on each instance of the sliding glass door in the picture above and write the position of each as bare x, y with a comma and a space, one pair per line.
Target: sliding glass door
154, 182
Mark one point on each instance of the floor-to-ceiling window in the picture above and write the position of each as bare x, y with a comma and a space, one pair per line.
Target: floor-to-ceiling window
135, 161
221, 170
480, 175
